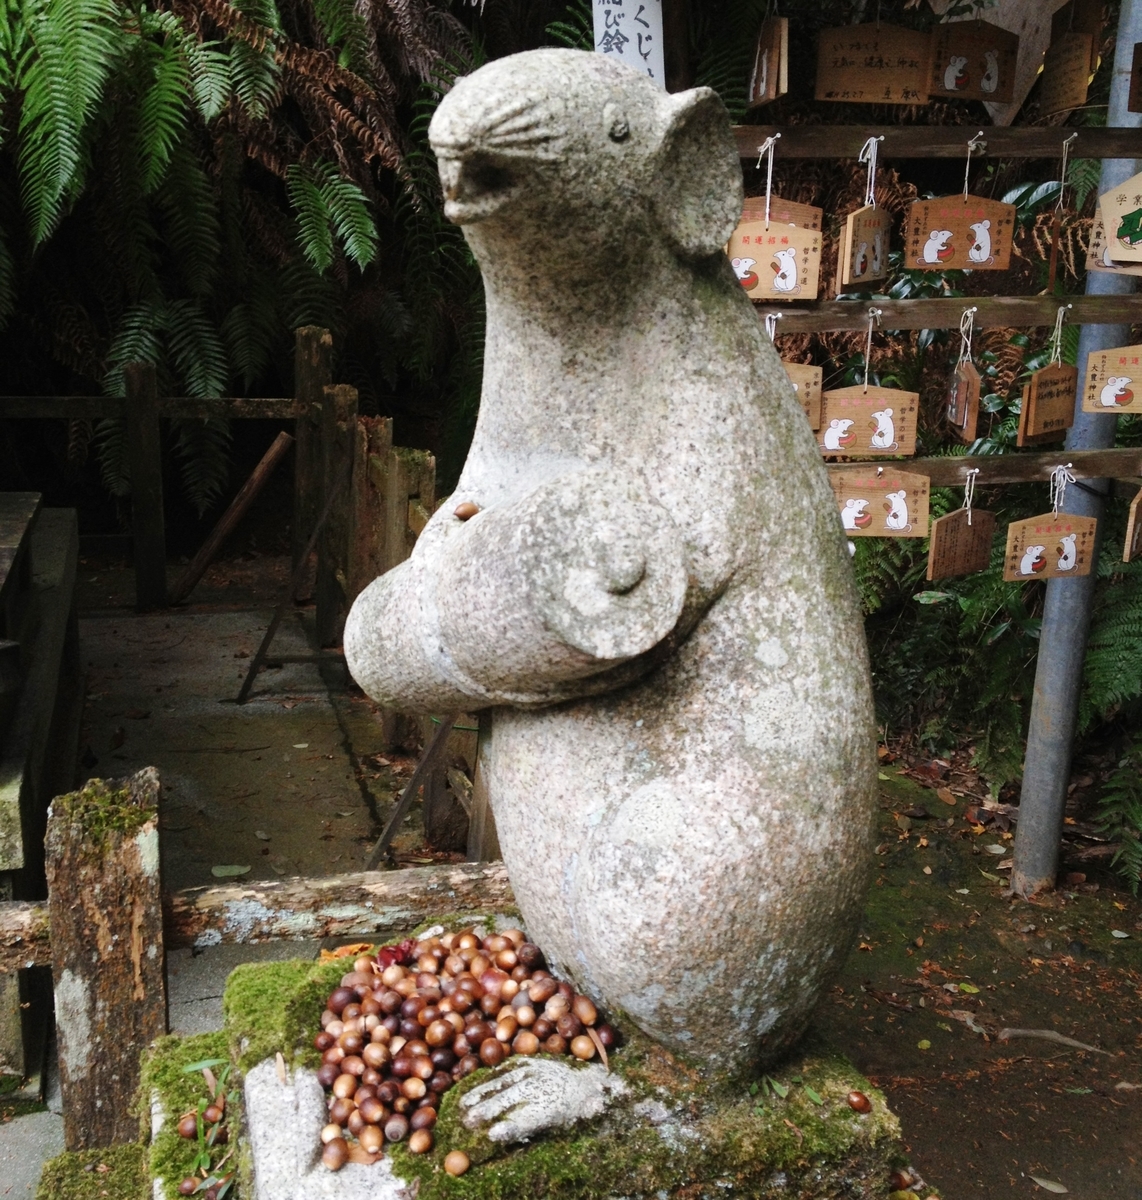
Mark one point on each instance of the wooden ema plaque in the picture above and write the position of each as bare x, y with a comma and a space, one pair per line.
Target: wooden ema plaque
972, 60
1121, 212
1049, 547
1098, 249
1081, 16
1048, 405
1066, 74
864, 247
954, 233
770, 75
1133, 547
872, 64
1113, 381
957, 548
806, 382
963, 401
860, 424
881, 501
782, 262
784, 212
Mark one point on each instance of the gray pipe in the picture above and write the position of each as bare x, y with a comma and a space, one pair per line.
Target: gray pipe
1068, 603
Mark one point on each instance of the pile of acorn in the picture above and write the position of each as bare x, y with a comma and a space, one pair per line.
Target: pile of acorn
403, 1027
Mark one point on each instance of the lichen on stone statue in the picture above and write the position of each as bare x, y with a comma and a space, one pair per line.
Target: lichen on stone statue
653, 596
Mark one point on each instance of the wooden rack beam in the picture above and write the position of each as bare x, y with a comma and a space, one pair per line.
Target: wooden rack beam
952, 470
92, 408
1019, 312
929, 141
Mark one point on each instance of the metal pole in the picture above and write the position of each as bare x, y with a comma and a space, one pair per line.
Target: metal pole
1067, 607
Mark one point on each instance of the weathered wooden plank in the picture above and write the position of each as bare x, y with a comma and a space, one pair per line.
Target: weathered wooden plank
952, 471
92, 408
230, 518
312, 374
338, 437
930, 141
1017, 312
372, 450
144, 451
105, 908
368, 904
25, 935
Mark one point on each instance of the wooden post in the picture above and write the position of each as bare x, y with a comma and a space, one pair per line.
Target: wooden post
144, 452
338, 435
483, 841
105, 907
676, 45
313, 372
231, 517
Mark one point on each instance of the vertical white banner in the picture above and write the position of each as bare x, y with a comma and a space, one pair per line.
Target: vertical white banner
631, 31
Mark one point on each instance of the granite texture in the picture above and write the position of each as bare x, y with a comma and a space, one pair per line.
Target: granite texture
655, 597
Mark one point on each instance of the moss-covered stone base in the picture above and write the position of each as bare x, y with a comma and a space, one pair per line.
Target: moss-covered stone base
116, 1174
672, 1135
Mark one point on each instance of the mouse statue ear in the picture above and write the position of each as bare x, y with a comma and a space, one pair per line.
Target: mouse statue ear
698, 184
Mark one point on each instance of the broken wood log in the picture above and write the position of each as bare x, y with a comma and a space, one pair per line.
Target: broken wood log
236, 511
105, 907
378, 905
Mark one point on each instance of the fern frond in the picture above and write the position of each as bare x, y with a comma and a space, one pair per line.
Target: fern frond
577, 29
74, 47
345, 30
111, 453
162, 110
7, 282
210, 83
138, 339
348, 213
202, 449
312, 217
199, 358
189, 209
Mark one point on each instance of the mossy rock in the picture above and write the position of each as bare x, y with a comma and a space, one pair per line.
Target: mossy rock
673, 1135
116, 1174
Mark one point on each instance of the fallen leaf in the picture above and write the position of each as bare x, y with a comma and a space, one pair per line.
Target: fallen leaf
903, 822
814, 1096
927, 870
923, 1044
945, 794
301, 745
994, 849
1123, 1086
1117, 903
281, 1067
228, 871
963, 891
1119, 933
261, 835
922, 842
1049, 1185
989, 875
881, 775
970, 988
977, 829
276, 869
355, 950
865, 946
347, 813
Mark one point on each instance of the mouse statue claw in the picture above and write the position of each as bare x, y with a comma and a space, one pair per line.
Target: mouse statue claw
641, 573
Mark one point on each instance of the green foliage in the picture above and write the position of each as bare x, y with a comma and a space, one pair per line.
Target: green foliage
330, 207
1120, 814
577, 31
1113, 671
727, 35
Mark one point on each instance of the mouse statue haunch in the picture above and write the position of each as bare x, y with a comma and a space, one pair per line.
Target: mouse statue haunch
641, 573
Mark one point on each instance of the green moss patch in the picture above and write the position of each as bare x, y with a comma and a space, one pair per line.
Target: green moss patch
99, 809
178, 1091
116, 1174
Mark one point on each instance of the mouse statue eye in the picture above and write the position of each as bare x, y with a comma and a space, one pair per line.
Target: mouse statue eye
615, 123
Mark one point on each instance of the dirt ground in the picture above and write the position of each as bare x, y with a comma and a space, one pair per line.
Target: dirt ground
299, 782
947, 961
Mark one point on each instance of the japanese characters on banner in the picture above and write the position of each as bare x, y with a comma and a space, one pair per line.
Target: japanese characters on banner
769, 78
862, 422
969, 233
1052, 546
1113, 380
631, 31
872, 64
775, 261
972, 60
1120, 211
881, 501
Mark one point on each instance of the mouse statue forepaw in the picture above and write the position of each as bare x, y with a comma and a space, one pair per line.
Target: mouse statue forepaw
539, 1094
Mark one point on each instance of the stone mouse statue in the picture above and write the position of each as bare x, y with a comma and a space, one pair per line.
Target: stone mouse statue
653, 597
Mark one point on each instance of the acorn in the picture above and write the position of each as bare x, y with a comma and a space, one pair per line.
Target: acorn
423, 1118
372, 1111
555, 1044
465, 511
456, 1162
190, 1185
859, 1102
585, 1010
323, 1041
525, 1043
371, 1139
336, 1154
607, 1035
329, 1133
414, 1087
582, 1047
327, 1073
338, 998
491, 1052
188, 1126
396, 1128
420, 1142
212, 1114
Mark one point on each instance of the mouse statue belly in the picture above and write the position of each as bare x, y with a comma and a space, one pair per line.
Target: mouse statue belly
641, 573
